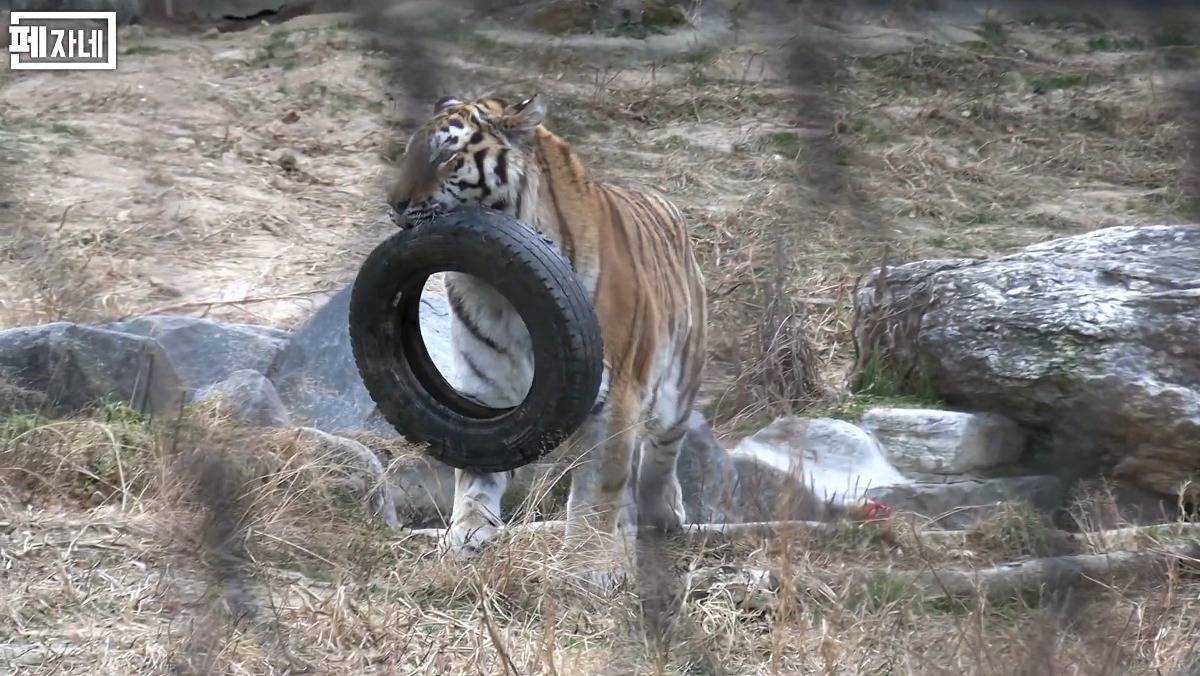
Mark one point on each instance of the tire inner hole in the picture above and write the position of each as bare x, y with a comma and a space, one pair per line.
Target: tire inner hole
476, 340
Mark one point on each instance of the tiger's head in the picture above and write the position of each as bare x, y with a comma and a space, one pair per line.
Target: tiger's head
472, 153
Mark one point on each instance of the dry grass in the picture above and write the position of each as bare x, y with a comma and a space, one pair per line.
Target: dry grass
134, 546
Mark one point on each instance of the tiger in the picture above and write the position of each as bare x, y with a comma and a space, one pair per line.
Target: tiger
631, 251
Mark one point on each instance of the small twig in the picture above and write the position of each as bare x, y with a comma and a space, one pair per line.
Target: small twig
494, 634
239, 301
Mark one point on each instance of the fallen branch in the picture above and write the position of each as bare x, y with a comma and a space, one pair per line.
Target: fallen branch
248, 300
1130, 539
766, 529
1055, 574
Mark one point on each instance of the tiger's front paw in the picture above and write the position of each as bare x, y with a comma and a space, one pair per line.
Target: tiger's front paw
466, 540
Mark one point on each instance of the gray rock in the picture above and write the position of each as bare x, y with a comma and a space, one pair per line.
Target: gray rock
1092, 342
944, 442
205, 352
706, 474
963, 503
77, 367
249, 397
1097, 504
797, 468
317, 378
422, 490
360, 472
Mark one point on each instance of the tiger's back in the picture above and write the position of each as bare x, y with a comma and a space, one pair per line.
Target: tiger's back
631, 249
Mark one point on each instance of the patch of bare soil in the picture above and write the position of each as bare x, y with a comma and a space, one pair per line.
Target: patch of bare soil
241, 175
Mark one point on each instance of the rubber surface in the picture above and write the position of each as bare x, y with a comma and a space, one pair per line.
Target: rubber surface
408, 388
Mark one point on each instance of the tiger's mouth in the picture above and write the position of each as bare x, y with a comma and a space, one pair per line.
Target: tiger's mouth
416, 216
411, 218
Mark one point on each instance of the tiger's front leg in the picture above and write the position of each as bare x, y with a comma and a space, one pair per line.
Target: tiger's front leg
476, 513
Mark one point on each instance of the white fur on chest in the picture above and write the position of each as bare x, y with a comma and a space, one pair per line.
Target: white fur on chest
491, 346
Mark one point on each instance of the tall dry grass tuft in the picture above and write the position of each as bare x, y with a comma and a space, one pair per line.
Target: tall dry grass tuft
198, 546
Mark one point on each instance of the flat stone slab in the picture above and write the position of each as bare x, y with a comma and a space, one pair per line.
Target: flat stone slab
963, 503
930, 441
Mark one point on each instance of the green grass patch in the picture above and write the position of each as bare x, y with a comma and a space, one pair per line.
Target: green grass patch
68, 130
634, 29
867, 129
1016, 530
19, 424
1115, 43
880, 386
884, 590
1183, 36
1047, 84
120, 414
868, 536
783, 142
701, 56
993, 32
979, 217
853, 407
1086, 22
143, 49
880, 379
1066, 46
672, 142
278, 49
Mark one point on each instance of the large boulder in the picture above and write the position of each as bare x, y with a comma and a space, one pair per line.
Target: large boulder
77, 367
1092, 341
205, 352
316, 375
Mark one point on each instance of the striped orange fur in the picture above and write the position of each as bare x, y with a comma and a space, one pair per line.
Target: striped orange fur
630, 249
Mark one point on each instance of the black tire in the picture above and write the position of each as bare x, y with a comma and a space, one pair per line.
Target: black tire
407, 387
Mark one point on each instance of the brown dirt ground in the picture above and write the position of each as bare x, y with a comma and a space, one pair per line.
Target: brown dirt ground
241, 176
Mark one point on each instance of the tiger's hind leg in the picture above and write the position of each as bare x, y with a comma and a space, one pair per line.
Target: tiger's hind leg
659, 495
603, 453
604, 450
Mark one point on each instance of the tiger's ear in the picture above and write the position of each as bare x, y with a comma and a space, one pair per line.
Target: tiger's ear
522, 118
444, 103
